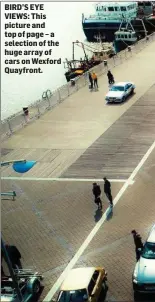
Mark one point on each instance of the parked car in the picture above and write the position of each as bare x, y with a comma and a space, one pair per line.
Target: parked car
29, 284
83, 284
119, 92
144, 273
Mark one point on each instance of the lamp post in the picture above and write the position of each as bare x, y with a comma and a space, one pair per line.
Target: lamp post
20, 166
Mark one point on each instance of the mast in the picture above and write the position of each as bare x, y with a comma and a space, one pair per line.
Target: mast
73, 51
84, 52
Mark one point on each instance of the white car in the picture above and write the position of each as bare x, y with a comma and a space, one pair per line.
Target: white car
119, 92
144, 273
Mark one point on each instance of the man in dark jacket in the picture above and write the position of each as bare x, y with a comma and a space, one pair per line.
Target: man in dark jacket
97, 193
110, 77
91, 81
107, 190
138, 243
14, 256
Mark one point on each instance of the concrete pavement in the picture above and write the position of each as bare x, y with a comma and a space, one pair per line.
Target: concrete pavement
62, 135
50, 220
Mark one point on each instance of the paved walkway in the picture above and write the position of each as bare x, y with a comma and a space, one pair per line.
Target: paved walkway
59, 137
49, 221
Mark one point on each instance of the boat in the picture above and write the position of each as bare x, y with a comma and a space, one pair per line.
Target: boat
125, 37
109, 16
99, 52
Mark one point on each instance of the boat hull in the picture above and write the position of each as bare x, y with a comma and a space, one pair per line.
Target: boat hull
120, 45
106, 30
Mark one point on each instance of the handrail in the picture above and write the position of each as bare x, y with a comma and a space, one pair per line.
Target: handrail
18, 120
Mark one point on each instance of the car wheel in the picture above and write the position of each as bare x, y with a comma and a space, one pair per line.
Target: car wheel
36, 287
136, 296
132, 91
123, 98
104, 286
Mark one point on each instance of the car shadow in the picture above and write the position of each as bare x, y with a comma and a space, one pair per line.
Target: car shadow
98, 215
144, 298
122, 103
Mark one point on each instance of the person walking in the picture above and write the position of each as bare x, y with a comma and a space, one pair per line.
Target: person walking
138, 243
95, 80
91, 81
97, 193
107, 190
110, 77
14, 256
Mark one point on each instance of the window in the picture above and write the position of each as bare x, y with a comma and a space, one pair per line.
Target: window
127, 86
116, 9
123, 8
125, 36
95, 276
149, 250
91, 286
129, 36
110, 9
117, 88
72, 296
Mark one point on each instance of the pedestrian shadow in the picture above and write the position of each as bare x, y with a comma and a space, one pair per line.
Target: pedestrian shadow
109, 213
98, 215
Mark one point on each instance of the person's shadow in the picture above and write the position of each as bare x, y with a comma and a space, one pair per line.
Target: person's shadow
109, 213
98, 215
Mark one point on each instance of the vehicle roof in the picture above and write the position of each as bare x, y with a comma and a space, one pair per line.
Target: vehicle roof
78, 278
121, 83
151, 237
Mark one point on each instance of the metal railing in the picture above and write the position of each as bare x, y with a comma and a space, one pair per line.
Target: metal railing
20, 120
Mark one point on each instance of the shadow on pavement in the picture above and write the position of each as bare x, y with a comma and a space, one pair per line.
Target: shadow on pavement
98, 215
144, 298
103, 295
109, 213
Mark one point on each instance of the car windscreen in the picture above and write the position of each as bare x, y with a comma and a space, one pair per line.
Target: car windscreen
149, 250
73, 296
117, 88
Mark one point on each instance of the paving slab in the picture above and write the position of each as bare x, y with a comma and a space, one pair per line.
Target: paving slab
118, 151
48, 221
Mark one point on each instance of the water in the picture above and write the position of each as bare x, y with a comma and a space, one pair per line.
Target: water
65, 20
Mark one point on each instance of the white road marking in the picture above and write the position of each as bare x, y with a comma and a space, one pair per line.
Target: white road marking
64, 179
87, 241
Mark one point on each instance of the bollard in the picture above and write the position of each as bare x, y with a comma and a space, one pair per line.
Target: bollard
72, 82
26, 111
105, 62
